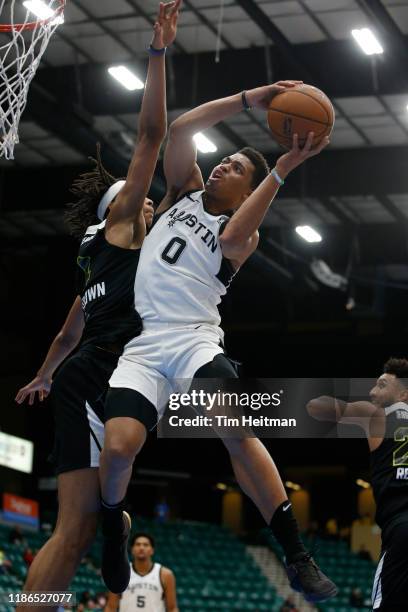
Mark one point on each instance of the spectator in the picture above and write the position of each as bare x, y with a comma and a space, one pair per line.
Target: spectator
162, 511
91, 605
16, 537
345, 533
356, 598
86, 595
101, 600
332, 529
364, 554
5, 564
28, 556
289, 605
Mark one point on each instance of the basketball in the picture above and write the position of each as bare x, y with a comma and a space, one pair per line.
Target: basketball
300, 110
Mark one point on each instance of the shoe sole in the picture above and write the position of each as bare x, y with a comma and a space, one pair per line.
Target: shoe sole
318, 597
321, 597
128, 519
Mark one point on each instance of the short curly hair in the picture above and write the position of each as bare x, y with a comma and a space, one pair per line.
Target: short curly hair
261, 165
141, 534
397, 367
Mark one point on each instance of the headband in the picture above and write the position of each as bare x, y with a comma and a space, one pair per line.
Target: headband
108, 197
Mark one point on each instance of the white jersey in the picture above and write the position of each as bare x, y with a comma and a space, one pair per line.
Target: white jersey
182, 274
144, 593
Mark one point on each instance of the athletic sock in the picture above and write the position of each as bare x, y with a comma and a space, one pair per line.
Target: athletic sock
112, 516
285, 529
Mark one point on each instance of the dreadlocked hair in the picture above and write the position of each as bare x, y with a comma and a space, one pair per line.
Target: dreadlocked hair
88, 190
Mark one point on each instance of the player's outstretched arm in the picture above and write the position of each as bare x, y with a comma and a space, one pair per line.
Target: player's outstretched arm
181, 153
237, 240
363, 413
151, 132
63, 344
169, 584
112, 604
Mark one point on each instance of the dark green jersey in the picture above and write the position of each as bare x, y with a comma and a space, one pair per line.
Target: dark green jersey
106, 283
389, 466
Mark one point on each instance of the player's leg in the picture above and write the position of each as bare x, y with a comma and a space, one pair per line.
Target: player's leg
253, 466
129, 416
79, 432
124, 438
390, 589
258, 476
78, 438
56, 563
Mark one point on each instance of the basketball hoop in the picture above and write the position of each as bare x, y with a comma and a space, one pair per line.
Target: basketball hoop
23, 41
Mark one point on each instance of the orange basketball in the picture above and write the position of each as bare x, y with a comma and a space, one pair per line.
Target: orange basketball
300, 110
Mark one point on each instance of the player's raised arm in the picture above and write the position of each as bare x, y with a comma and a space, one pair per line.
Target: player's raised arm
181, 153
151, 132
363, 413
63, 344
238, 236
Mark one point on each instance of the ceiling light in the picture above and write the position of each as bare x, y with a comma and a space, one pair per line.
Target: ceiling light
367, 41
325, 275
204, 144
126, 78
221, 486
292, 485
308, 233
39, 8
363, 483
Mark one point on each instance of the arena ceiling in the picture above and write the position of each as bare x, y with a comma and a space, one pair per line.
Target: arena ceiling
360, 182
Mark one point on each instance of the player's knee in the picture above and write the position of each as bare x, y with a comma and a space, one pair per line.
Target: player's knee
121, 450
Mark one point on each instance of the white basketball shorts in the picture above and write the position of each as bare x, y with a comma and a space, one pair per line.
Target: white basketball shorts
164, 359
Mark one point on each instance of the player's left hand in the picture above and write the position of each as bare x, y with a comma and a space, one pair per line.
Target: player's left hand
296, 156
165, 27
261, 97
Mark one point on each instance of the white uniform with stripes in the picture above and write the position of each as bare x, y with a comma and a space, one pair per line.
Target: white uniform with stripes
181, 278
144, 593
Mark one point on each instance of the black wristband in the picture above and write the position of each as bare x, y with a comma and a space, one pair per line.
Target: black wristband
245, 101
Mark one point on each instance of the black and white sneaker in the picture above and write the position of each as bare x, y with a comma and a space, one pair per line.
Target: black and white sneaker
115, 560
307, 578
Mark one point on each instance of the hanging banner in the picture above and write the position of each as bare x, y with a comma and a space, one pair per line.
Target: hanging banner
19, 510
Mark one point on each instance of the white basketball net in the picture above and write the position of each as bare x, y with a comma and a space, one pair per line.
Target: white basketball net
25, 30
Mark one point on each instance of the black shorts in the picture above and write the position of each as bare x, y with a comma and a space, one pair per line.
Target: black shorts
390, 589
77, 395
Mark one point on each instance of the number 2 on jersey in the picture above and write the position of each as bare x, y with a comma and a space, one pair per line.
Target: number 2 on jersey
400, 455
173, 250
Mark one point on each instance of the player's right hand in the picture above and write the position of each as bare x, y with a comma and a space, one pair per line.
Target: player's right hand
165, 27
261, 97
38, 385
